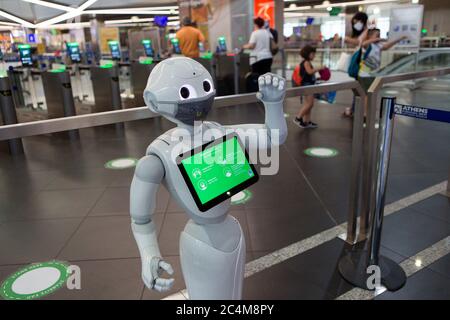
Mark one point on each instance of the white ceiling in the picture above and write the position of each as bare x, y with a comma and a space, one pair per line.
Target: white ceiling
35, 13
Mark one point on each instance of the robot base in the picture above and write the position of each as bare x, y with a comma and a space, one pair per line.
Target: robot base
213, 260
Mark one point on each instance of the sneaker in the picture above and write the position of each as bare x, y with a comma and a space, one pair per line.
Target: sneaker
300, 123
312, 125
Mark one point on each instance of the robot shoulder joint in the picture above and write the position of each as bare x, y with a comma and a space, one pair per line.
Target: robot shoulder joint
150, 169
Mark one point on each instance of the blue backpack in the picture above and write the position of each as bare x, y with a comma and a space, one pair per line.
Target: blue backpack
355, 62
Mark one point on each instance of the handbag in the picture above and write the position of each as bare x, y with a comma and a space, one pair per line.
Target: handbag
344, 61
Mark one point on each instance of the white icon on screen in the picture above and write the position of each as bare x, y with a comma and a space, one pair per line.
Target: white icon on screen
202, 185
196, 173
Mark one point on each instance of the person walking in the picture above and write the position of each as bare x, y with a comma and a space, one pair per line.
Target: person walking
260, 43
189, 38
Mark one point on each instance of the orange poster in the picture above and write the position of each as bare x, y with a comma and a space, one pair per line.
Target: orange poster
265, 10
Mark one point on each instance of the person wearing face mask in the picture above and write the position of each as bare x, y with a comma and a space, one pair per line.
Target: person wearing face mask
359, 29
356, 39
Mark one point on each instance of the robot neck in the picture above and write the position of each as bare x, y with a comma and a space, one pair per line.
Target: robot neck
196, 128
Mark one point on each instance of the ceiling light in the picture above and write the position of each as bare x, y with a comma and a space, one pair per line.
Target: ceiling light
135, 11
50, 5
138, 20
75, 25
9, 24
163, 9
68, 15
376, 10
329, 8
351, 3
16, 19
128, 21
298, 8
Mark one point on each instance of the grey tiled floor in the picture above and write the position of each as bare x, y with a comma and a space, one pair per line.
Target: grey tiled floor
59, 202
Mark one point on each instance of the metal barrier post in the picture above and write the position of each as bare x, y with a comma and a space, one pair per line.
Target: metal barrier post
355, 179
369, 143
68, 103
8, 112
237, 62
115, 95
283, 63
355, 266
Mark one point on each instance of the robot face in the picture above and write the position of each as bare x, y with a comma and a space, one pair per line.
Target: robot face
181, 90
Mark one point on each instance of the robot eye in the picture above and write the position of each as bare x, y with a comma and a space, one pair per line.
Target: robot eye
184, 92
207, 86
187, 92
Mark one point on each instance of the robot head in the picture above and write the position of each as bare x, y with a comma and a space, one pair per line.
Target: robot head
181, 90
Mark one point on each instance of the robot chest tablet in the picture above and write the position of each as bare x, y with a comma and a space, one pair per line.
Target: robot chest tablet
177, 187
216, 171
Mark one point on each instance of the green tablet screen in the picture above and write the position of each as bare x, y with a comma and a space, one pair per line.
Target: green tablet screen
218, 169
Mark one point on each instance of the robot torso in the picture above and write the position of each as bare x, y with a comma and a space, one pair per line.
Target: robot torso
167, 147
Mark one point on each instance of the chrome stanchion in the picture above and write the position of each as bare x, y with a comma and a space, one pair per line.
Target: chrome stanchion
355, 183
68, 103
115, 95
236, 65
8, 113
283, 63
355, 267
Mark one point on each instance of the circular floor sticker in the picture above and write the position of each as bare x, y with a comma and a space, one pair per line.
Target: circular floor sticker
241, 197
286, 115
321, 152
35, 281
122, 163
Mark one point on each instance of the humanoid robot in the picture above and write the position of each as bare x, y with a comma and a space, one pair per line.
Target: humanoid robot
212, 245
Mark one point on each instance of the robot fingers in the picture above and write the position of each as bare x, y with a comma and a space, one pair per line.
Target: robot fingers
162, 285
281, 85
261, 81
166, 267
275, 81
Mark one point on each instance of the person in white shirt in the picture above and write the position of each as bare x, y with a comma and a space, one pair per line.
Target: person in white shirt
261, 55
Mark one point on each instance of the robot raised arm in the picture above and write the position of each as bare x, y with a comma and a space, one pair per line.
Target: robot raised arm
146, 181
273, 132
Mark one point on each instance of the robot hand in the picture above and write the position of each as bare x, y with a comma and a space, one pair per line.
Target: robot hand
272, 88
152, 275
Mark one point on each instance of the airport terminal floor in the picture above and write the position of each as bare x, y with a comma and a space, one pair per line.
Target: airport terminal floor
59, 201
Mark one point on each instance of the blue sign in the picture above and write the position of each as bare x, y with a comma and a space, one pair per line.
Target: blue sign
31, 38
422, 113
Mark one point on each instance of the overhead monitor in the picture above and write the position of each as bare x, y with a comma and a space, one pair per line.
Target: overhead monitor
176, 45
221, 44
73, 50
25, 55
148, 48
114, 48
